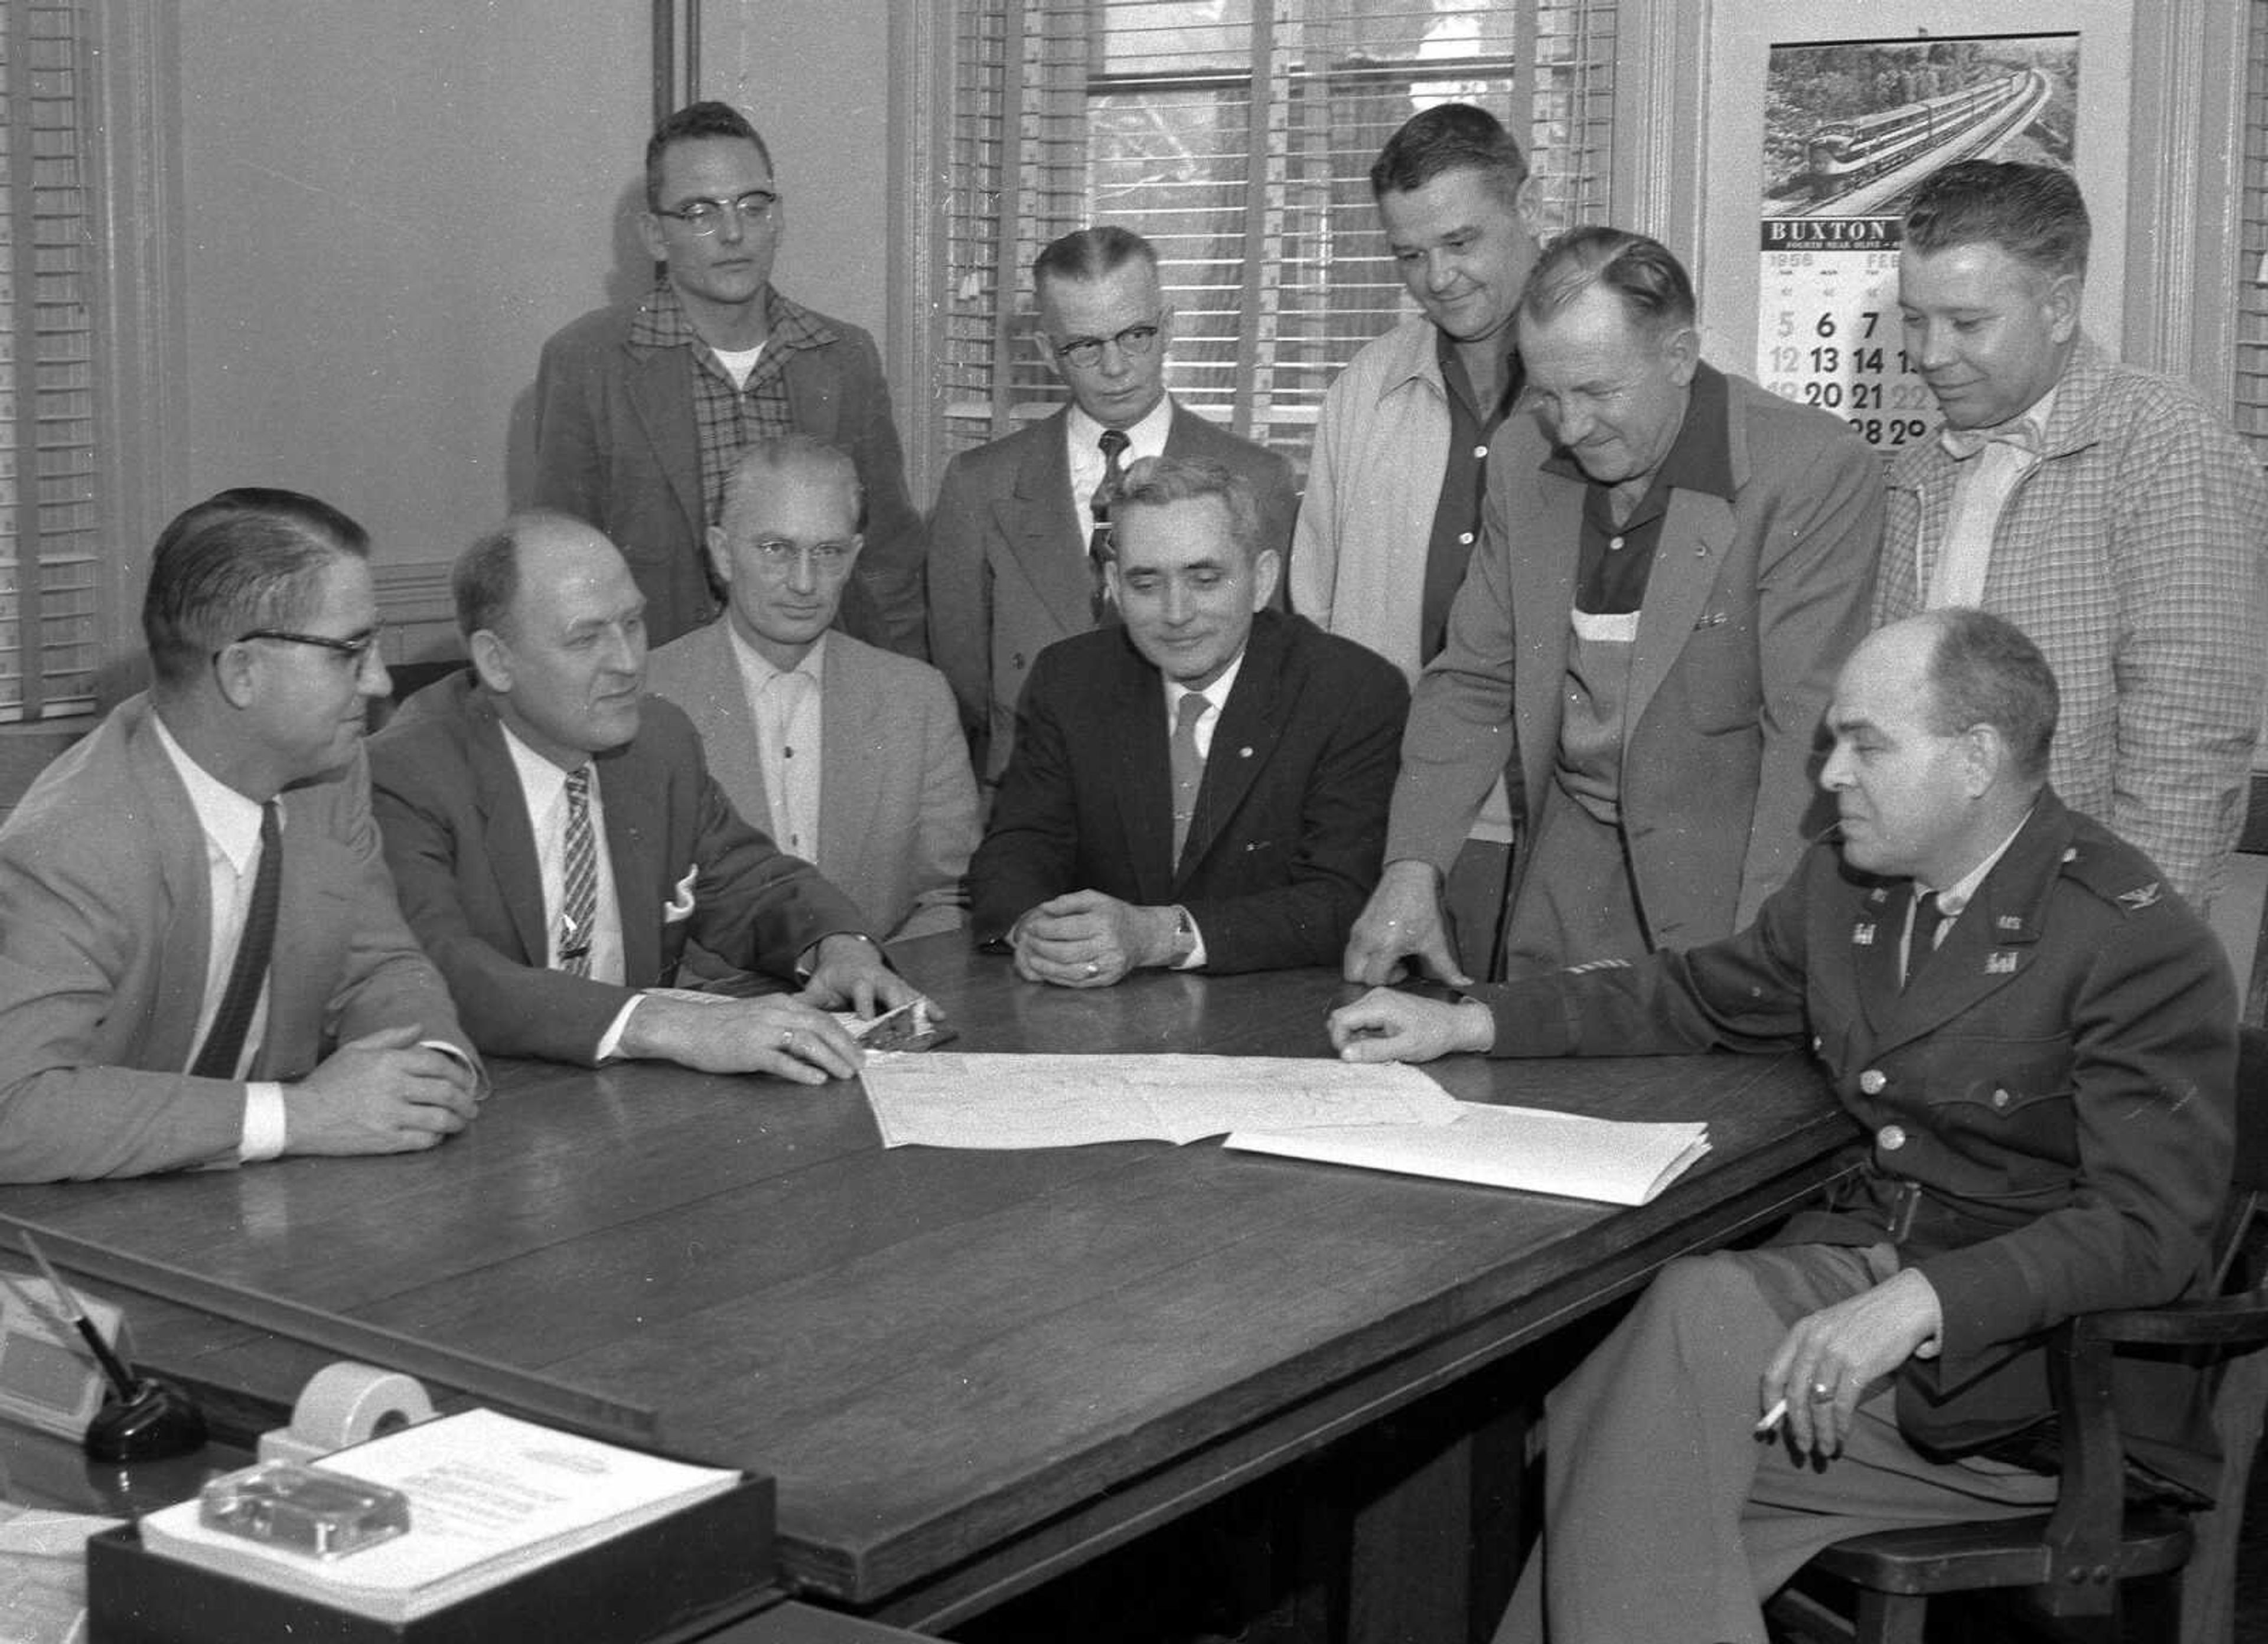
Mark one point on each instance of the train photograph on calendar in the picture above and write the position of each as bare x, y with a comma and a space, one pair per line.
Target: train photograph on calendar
1851, 126
1851, 129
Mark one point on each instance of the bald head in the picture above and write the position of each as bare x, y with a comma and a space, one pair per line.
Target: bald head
1942, 724
556, 628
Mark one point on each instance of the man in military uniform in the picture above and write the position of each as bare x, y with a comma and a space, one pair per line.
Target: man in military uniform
2040, 1038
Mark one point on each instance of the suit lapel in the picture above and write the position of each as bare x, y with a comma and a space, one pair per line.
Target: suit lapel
1994, 941
1244, 740
1543, 556
728, 723
660, 396
849, 721
507, 836
637, 848
1134, 717
1694, 535
181, 982
1039, 524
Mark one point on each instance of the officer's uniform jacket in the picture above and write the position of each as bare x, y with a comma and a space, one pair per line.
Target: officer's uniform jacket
2048, 1106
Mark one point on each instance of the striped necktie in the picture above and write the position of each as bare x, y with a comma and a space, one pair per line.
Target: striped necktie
579, 907
1099, 545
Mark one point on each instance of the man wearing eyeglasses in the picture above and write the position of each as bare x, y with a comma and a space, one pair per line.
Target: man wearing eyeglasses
850, 757
1020, 535
202, 962
642, 407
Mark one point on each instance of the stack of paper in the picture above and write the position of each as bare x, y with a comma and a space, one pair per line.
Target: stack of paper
946, 1099
490, 1497
1527, 1147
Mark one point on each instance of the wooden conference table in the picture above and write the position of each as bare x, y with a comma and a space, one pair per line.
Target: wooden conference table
968, 1371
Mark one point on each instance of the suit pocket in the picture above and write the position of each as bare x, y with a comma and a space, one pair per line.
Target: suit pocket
2005, 1108
1717, 672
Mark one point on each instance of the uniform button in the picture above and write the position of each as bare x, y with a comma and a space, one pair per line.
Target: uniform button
1999, 1098
1614, 542
1480, 450
1815, 1043
1890, 1138
1872, 1080
1465, 538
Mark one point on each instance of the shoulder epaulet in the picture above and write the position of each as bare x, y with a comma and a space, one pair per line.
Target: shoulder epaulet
2125, 878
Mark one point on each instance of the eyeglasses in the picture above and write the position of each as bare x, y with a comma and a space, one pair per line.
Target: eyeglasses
1087, 352
777, 554
707, 217
357, 648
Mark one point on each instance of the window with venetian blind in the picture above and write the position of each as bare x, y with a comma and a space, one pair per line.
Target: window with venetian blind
2251, 409
1237, 135
49, 537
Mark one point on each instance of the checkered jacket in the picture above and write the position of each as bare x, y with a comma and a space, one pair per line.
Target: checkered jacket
2135, 554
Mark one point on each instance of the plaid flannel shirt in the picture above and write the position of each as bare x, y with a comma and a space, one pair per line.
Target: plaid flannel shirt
730, 420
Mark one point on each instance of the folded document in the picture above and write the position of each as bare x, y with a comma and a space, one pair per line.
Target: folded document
1528, 1148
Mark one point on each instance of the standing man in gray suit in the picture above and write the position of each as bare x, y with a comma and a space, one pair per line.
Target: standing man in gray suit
1673, 565
1020, 536
850, 757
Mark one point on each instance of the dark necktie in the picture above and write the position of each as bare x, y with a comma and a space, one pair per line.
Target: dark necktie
1928, 919
1188, 766
224, 1045
1099, 544
578, 902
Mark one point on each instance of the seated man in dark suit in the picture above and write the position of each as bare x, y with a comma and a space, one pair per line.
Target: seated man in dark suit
1205, 786
2038, 1038
494, 788
201, 960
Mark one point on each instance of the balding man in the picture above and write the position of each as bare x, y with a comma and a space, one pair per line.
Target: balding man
1674, 562
2038, 1038
201, 960
557, 839
849, 756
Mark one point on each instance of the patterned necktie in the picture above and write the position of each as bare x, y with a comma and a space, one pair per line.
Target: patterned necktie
579, 907
1188, 766
1113, 445
1928, 920
223, 1046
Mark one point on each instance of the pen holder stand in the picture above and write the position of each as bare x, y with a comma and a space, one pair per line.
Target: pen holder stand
156, 1420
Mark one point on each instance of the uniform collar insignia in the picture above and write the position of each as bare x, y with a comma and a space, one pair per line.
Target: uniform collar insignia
2141, 897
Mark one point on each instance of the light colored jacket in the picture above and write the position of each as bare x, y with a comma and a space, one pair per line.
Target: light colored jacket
897, 802
1382, 446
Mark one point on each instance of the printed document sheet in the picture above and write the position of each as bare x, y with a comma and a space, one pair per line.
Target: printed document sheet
947, 1100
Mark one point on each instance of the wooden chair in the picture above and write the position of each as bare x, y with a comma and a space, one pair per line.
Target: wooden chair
2062, 1569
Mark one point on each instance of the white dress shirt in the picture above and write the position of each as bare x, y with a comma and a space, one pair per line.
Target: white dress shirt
231, 824
791, 728
543, 785
1083, 443
1216, 698
1982, 486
